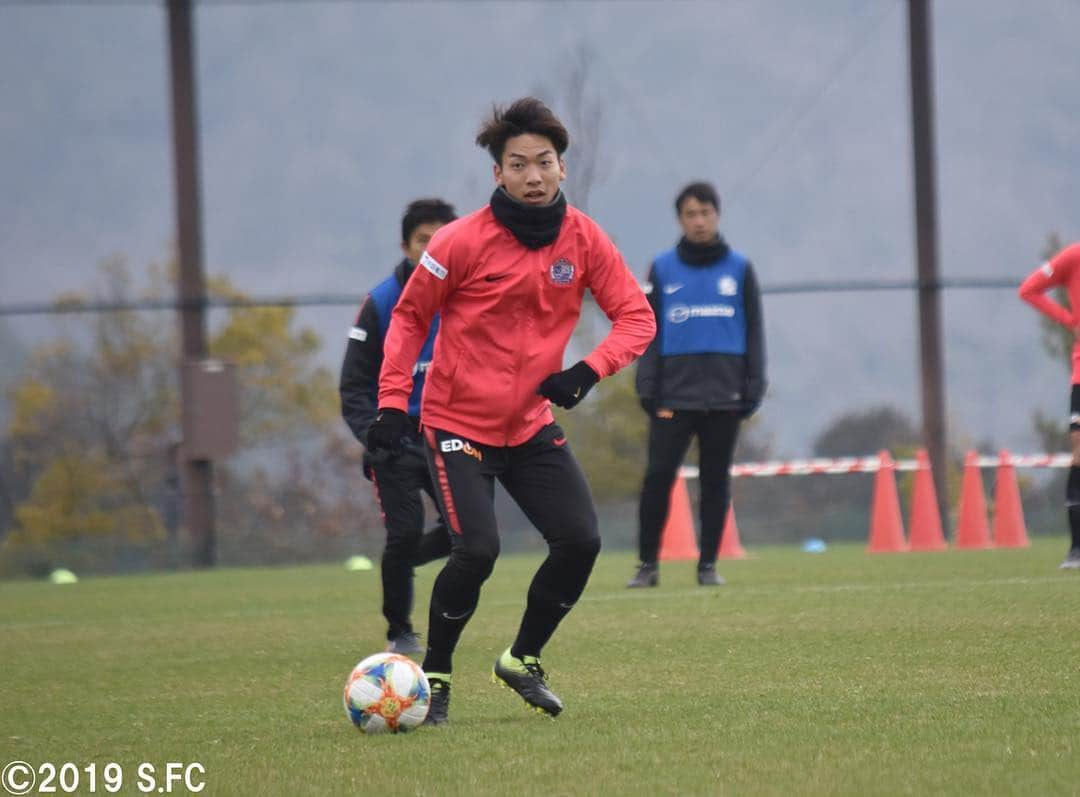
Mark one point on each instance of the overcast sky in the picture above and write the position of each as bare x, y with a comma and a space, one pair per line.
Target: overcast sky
320, 121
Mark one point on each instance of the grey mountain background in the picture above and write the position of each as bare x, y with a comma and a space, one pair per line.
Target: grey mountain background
320, 121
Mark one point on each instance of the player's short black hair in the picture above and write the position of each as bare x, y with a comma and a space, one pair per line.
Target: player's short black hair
425, 211
702, 192
527, 115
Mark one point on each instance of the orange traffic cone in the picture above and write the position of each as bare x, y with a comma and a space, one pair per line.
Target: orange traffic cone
730, 547
971, 526
1009, 528
677, 541
886, 524
926, 533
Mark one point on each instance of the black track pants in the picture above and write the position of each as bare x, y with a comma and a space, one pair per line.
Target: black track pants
398, 485
669, 438
545, 480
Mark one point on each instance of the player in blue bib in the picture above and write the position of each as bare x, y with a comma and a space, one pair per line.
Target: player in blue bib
702, 375
401, 477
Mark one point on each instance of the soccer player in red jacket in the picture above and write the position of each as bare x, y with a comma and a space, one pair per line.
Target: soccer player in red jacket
508, 282
1064, 270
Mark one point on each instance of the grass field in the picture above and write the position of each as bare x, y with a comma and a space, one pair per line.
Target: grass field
840, 673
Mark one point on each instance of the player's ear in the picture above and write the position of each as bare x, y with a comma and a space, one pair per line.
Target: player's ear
497, 171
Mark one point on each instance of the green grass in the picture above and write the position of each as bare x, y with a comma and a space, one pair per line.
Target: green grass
841, 673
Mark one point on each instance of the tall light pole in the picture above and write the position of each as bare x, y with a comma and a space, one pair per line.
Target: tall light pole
926, 236
196, 473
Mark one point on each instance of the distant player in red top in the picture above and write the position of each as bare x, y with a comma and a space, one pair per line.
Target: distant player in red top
508, 282
1064, 270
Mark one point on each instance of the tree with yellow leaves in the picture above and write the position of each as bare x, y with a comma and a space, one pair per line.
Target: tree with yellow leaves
95, 416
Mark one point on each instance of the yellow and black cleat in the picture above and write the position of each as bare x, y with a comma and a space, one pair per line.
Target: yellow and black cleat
526, 677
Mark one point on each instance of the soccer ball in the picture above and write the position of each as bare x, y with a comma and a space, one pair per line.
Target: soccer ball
387, 693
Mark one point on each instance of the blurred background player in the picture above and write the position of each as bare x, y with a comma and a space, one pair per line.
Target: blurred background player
702, 375
1064, 270
400, 476
508, 281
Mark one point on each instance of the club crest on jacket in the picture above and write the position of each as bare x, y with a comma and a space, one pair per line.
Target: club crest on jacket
561, 272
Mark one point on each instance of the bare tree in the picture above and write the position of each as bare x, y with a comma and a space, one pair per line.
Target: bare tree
584, 110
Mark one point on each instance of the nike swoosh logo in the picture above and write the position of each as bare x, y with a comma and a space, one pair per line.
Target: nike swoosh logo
495, 277
577, 393
559, 441
670, 289
458, 617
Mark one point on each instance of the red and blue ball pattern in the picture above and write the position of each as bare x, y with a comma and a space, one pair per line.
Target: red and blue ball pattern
387, 693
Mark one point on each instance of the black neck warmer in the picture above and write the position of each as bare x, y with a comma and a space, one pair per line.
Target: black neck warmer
701, 254
535, 227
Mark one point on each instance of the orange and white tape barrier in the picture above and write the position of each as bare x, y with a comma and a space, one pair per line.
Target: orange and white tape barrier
871, 464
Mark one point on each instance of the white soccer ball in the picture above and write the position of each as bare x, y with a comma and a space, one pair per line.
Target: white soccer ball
387, 693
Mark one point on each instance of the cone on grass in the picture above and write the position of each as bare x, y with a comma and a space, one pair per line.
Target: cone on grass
886, 523
926, 533
1009, 528
972, 530
730, 546
677, 540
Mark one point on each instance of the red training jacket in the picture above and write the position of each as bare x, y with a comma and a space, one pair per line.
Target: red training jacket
507, 314
1063, 269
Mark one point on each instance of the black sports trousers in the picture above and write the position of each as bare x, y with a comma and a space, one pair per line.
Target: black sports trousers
399, 480
669, 438
545, 480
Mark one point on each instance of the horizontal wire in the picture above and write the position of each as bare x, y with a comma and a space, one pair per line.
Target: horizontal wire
74, 306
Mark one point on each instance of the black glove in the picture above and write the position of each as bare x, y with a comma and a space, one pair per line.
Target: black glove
387, 430
648, 404
567, 388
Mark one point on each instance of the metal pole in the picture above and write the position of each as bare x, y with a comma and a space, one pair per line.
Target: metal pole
196, 474
930, 350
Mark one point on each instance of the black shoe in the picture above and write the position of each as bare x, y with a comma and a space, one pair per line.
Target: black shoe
648, 575
708, 577
406, 644
525, 677
439, 708
1072, 561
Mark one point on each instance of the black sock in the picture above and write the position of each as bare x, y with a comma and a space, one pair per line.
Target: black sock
453, 600
1072, 504
542, 616
554, 590
1074, 525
